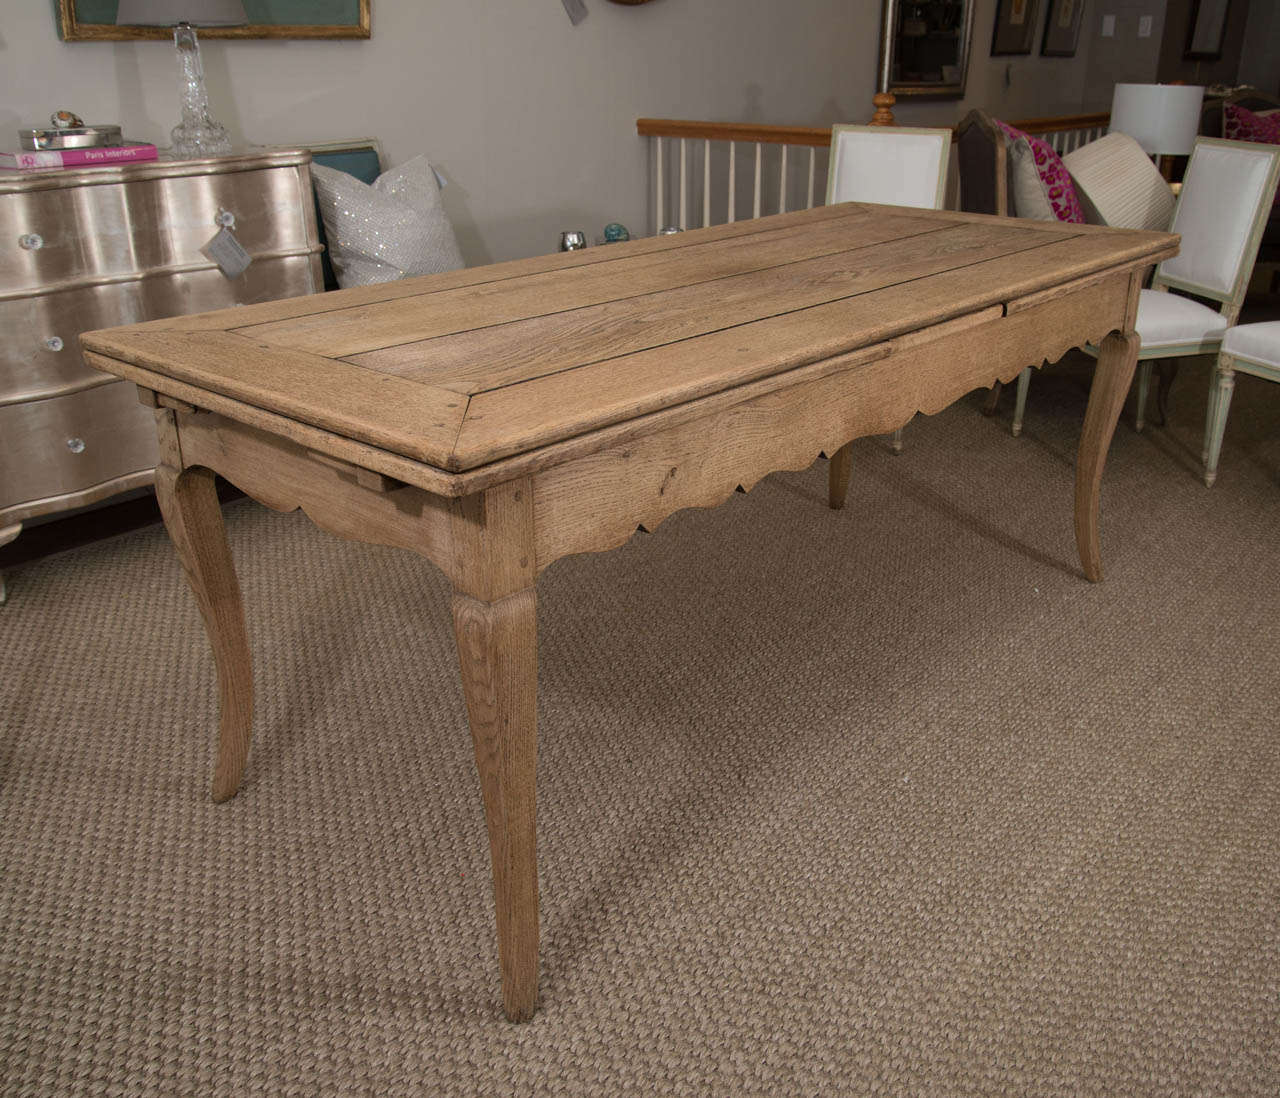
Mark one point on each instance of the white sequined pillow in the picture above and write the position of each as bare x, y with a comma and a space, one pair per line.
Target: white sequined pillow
391, 229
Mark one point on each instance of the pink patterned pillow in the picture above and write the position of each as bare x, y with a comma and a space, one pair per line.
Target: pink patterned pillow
1239, 124
1056, 180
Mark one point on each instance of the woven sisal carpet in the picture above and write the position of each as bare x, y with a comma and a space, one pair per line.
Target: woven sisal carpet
889, 801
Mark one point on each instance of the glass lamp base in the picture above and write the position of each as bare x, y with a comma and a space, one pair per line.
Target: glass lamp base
194, 142
197, 135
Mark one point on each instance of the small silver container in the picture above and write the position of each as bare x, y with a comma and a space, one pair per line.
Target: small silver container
572, 241
73, 137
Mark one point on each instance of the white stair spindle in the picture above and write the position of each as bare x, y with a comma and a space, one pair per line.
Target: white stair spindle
813, 160
706, 183
684, 183
782, 182
755, 205
662, 188
733, 182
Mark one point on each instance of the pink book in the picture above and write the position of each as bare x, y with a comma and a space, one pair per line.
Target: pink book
28, 161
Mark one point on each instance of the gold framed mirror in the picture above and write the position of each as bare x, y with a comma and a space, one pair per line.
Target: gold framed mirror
924, 47
98, 21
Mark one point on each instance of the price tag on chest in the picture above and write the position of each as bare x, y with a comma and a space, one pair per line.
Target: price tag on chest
228, 253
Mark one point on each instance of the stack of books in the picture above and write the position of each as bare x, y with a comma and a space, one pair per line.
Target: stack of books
93, 156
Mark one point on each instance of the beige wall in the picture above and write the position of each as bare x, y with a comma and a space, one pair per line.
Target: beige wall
1260, 54
531, 119
1124, 57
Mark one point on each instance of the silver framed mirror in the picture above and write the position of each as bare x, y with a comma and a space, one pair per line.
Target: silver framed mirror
924, 47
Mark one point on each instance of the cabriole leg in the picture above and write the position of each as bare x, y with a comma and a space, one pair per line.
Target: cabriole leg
497, 652
189, 502
1111, 379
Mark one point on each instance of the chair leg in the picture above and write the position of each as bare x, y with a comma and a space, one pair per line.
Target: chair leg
838, 470
1224, 384
1144, 387
897, 441
993, 399
1211, 407
1166, 371
1020, 404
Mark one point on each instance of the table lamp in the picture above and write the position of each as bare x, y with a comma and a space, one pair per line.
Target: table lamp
1162, 118
197, 135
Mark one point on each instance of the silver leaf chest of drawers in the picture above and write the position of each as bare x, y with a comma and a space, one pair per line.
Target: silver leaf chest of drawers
81, 250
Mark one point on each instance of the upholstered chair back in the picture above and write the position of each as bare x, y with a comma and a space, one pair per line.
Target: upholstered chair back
895, 165
985, 181
1226, 196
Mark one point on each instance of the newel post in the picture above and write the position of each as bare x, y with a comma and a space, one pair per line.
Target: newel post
884, 102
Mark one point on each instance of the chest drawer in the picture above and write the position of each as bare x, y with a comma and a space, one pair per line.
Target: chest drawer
40, 349
122, 223
69, 443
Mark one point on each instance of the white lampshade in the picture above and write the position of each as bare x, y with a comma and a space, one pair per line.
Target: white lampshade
168, 13
1162, 118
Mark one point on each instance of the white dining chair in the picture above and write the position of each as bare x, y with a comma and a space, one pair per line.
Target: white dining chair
1247, 349
1221, 212
895, 166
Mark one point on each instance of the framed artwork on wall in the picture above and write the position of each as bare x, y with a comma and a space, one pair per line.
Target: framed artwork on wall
1062, 28
105, 21
1015, 27
1206, 29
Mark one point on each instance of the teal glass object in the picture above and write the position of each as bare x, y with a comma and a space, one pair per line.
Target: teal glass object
614, 232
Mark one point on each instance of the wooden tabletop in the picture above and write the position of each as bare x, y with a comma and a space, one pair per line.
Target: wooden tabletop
462, 369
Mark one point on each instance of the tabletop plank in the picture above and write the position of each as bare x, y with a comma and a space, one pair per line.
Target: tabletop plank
334, 301
507, 354
387, 324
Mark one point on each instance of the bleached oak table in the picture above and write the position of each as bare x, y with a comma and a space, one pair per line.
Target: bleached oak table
499, 418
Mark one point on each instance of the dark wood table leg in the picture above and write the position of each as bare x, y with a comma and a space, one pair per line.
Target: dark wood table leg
1112, 377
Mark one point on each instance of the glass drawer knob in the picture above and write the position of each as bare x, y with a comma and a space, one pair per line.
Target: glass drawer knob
75, 445
31, 242
54, 343
226, 219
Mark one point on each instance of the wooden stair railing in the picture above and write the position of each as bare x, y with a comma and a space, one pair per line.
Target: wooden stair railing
731, 134
707, 151
1066, 132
